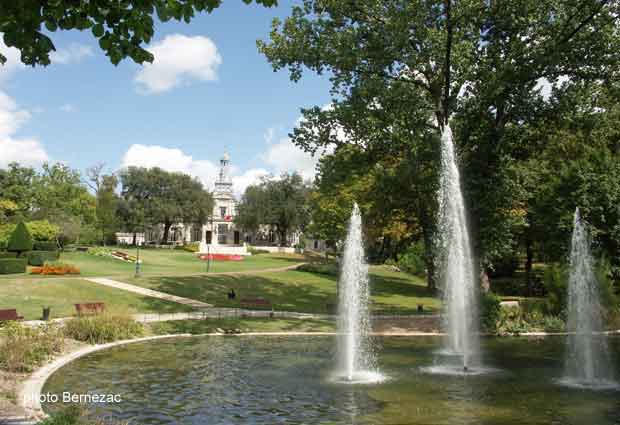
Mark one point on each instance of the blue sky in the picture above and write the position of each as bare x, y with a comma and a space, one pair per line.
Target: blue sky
209, 91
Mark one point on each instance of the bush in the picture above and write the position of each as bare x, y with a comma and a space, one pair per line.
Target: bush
490, 310
20, 240
5, 254
45, 246
555, 280
12, 265
39, 258
330, 269
102, 328
257, 251
190, 247
24, 348
412, 260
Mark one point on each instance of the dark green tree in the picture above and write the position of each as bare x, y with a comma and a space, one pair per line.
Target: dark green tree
20, 240
279, 203
107, 203
400, 70
153, 196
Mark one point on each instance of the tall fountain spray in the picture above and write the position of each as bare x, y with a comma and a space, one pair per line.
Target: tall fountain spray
588, 361
459, 281
356, 357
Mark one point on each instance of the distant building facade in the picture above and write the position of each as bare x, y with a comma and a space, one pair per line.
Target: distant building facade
220, 234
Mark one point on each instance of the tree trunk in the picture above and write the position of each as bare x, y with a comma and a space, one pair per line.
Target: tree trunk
164, 239
528, 265
135, 239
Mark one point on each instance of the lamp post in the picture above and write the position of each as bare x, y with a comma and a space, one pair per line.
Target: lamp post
137, 274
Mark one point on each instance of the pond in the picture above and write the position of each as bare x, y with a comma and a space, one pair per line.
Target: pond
271, 380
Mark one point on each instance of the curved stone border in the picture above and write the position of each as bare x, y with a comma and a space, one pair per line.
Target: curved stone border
30, 392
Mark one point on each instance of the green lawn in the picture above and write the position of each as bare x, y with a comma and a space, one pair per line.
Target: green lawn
29, 296
392, 292
166, 262
246, 325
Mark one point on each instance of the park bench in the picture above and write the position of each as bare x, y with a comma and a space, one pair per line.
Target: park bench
89, 308
251, 303
6, 315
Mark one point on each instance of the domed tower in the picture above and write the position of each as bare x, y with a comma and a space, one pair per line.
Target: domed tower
223, 184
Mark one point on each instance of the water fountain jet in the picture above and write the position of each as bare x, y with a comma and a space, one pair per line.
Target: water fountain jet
588, 363
460, 285
357, 363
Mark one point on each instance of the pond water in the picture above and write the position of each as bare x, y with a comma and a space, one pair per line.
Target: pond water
271, 380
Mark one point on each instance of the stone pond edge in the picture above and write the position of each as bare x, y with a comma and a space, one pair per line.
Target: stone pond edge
30, 391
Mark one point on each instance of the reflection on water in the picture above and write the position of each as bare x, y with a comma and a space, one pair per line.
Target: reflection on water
270, 380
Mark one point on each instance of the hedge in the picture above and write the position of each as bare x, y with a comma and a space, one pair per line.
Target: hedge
12, 265
38, 258
20, 240
6, 254
45, 246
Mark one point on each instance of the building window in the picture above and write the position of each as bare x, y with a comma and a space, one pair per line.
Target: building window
196, 233
222, 212
222, 228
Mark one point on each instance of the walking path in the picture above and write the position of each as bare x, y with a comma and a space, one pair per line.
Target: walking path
148, 292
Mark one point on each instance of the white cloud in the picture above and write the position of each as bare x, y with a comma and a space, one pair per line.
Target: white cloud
284, 156
544, 86
250, 177
68, 107
13, 61
73, 53
175, 160
179, 59
25, 151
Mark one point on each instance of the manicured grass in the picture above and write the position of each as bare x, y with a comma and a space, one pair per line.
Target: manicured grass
392, 292
165, 262
29, 297
246, 325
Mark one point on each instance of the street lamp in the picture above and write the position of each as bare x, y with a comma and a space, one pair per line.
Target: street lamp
137, 274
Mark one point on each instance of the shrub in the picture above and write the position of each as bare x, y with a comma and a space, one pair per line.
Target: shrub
330, 269
257, 251
45, 246
555, 280
56, 268
39, 258
190, 247
24, 348
20, 240
102, 328
412, 260
43, 230
12, 265
490, 310
6, 254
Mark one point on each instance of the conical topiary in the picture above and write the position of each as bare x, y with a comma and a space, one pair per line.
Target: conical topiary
20, 240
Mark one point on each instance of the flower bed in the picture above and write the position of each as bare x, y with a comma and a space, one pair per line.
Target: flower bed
221, 257
123, 256
55, 269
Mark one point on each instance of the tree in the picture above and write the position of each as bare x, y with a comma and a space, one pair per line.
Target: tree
122, 27
153, 196
280, 203
107, 203
20, 240
401, 70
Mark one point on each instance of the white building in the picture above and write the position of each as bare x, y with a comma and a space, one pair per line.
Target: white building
219, 234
